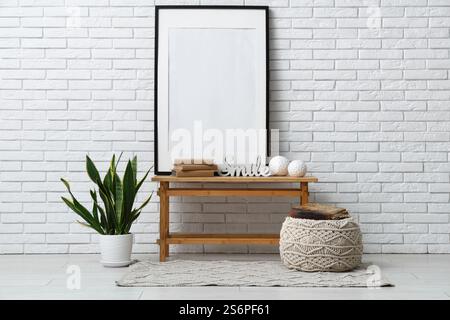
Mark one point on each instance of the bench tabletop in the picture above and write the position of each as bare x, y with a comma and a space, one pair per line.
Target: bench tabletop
278, 179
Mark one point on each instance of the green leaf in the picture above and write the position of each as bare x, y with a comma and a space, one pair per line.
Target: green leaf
145, 202
112, 175
138, 186
94, 207
82, 212
108, 185
118, 200
128, 189
83, 224
109, 210
66, 184
135, 214
134, 166
92, 171
112, 165
118, 160
104, 221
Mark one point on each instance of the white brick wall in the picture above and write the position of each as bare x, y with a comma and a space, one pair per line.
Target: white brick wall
359, 89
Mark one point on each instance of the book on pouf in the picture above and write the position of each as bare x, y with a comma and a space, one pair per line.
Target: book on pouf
315, 211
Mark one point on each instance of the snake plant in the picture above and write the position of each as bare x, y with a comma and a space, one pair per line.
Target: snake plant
117, 214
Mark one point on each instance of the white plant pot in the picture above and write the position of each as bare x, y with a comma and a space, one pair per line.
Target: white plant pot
116, 250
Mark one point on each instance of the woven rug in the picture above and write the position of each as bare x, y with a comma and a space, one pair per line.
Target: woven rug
187, 273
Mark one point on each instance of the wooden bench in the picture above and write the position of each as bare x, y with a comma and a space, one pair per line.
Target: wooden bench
165, 191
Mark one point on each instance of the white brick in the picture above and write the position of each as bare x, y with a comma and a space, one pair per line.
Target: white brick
335, 12
425, 53
402, 64
425, 74
403, 106
426, 197
11, 249
442, 208
311, 64
61, 11
356, 167
380, 54
426, 238
439, 187
380, 197
425, 177
110, 11
335, 54
438, 248
337, 136
380, 116
46, 248
405, 22
382, 238
89, 43
404, 187
357, 146
404, 207
46, 228
21, 12
405, 228
358, 43
21, 238
439, 228
43, 22
378, 156
111, 32
314, 23
426, 218
334, 75
436, 167
357, 85
357, 64
404, 248
68, 53
380, 136
67, 238
404, 43
65, 32
336, 95
291, 34
380, 75
401, 167
379, 33
439, 64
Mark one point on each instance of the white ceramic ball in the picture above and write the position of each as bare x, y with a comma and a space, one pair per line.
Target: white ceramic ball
297, 168
278, 166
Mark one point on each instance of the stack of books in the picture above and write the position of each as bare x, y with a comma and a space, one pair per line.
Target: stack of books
315, 211
194, 169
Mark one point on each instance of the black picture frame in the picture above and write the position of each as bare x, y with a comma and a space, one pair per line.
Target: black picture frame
158, 8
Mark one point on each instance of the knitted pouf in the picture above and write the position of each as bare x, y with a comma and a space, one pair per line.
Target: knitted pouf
320, 245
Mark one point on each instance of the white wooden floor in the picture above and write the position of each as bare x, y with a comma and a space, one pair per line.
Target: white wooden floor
45, 277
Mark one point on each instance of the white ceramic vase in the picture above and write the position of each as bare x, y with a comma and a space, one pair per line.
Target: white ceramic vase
116, 250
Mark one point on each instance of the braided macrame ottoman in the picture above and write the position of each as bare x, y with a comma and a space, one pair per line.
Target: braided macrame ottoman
320, 245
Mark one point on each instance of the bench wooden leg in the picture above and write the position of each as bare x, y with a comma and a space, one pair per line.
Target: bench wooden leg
163, 221
304, 193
